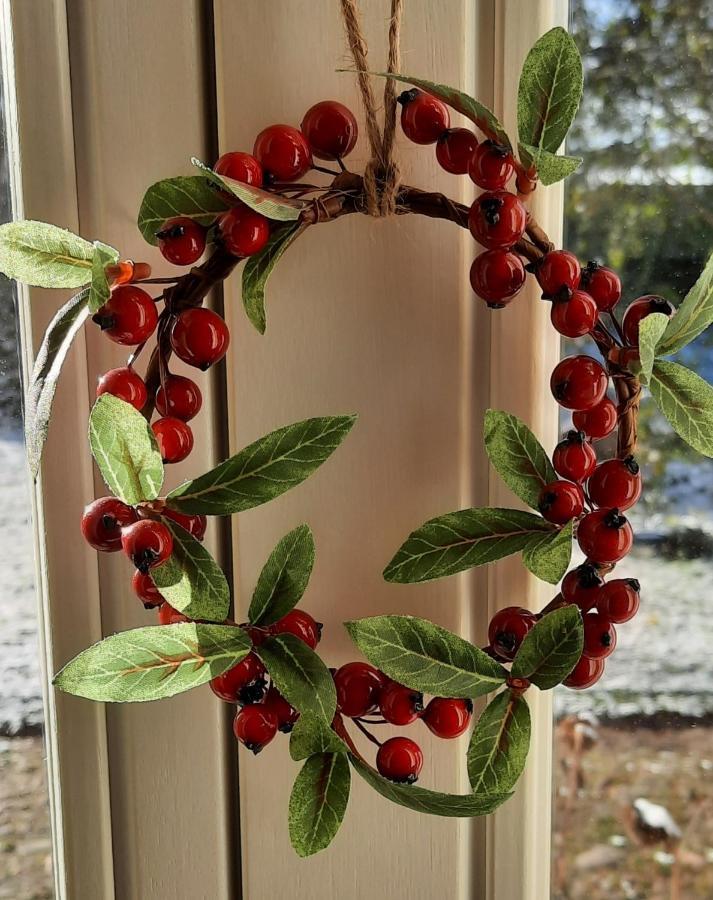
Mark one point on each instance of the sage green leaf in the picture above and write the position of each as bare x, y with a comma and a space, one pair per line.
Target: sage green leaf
192, 196
44, 256
312, 734
426, 657
460, 540
551, 649
268, 204
498, 745
550, 91
687, 402
692, 317
284, 577
153, 662
550, 167
517, 456
548, 557
259, 267
50, 358
125, 450
265, 469
651, 329
299, 675
318, 802
99, 291
191, 580
431, 802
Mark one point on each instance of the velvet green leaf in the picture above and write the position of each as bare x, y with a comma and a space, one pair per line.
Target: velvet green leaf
550, 167
499, 744
99, 288
312, 734
318, 802
44, 255
299, 675
259, 267
284, 577
268, 204
651, 329
517, 456
551, 649
693, 316
192, 196
548, 557
686, 400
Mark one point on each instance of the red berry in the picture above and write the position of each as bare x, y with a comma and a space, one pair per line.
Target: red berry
578, 382
454, 149
174, 438
491, 166
240, 167
599, 636
193, 524
616, 482
638, 310
330, 129
573, 313
255, 726
424, 118
179, 397
244, 683
400, 705
147, 543
283, 152
619, 599
103, 520
400, 759
286, 714
597, 422
558, 269
125, 384
146, 590
497, 220
497, 276
200, 337
129, 316
603, 284
507, 630
605, 536
586, 673
181, 241
582, 586
448, 717
574, 457
561, 501
302, 625
167, 615
358, 687
244, 231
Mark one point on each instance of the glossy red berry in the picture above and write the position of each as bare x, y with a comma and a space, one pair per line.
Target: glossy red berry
400, 759
573, 313
147, 543
582, 586
129, 316
619, 599
599, 636
244, 231
638, 310
193, 524
330, 129
497, 220
286, 714
586, 673
174, 438
558, 269
578, 382
424, 118
491, 166
454, 150
102, 522
616, 482
283, 152
178, 397
146, 590
167, 615
243, 683
200, 337
605, 536
497, 276
255, 726
507, 630
574, 457
240, 167
448, 717
561, 501
358, 687
400, 705
597, 422
302, 625
125, 384
181, 241
603, 284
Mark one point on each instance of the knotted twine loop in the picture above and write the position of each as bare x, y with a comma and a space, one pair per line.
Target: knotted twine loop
381, 176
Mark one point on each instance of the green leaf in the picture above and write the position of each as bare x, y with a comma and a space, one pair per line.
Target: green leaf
99, 291
268, 204
284, 577
517, 456
153, 662
548, 556
550, 167
299, 675
425, 657
312, 734
44, 256
692, 317
258, 269
687, 402
432, 802
460, 540
125, 450
188, 195
551, 649
651, 329
499, 743
56, 342
191, 580
318, 802
549, 92
265, 469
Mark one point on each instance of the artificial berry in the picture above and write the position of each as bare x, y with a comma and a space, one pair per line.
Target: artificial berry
556, 270
167, 615
200, 337
174, 438
497, 220
496, 276
578, 382
586, 673
102, 521
301, 625
286, 714
573, 313
125, 384
619, 599
146, 590
508, 629
561, 501
574, 457
243, 683
491, 166
240, 167
194, 524
330, 129
597, 422
147, 543
181, 241
400, 705
244, 231
603, 284
599, 636
129, 315
400, 759
178, 397
605, 536
638, 310
255, 726
283, 152
448, 717
424, 117
616, 482
582, 586
358, 687
454, 150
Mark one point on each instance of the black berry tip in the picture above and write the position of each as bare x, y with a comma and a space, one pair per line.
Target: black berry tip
614, 519
286, 727
408, 96
417, 701
632, 465
576, 437
103, 321
563, 294
468, 705
588, 576
496, 305
254, 748
506, 640
634, 584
